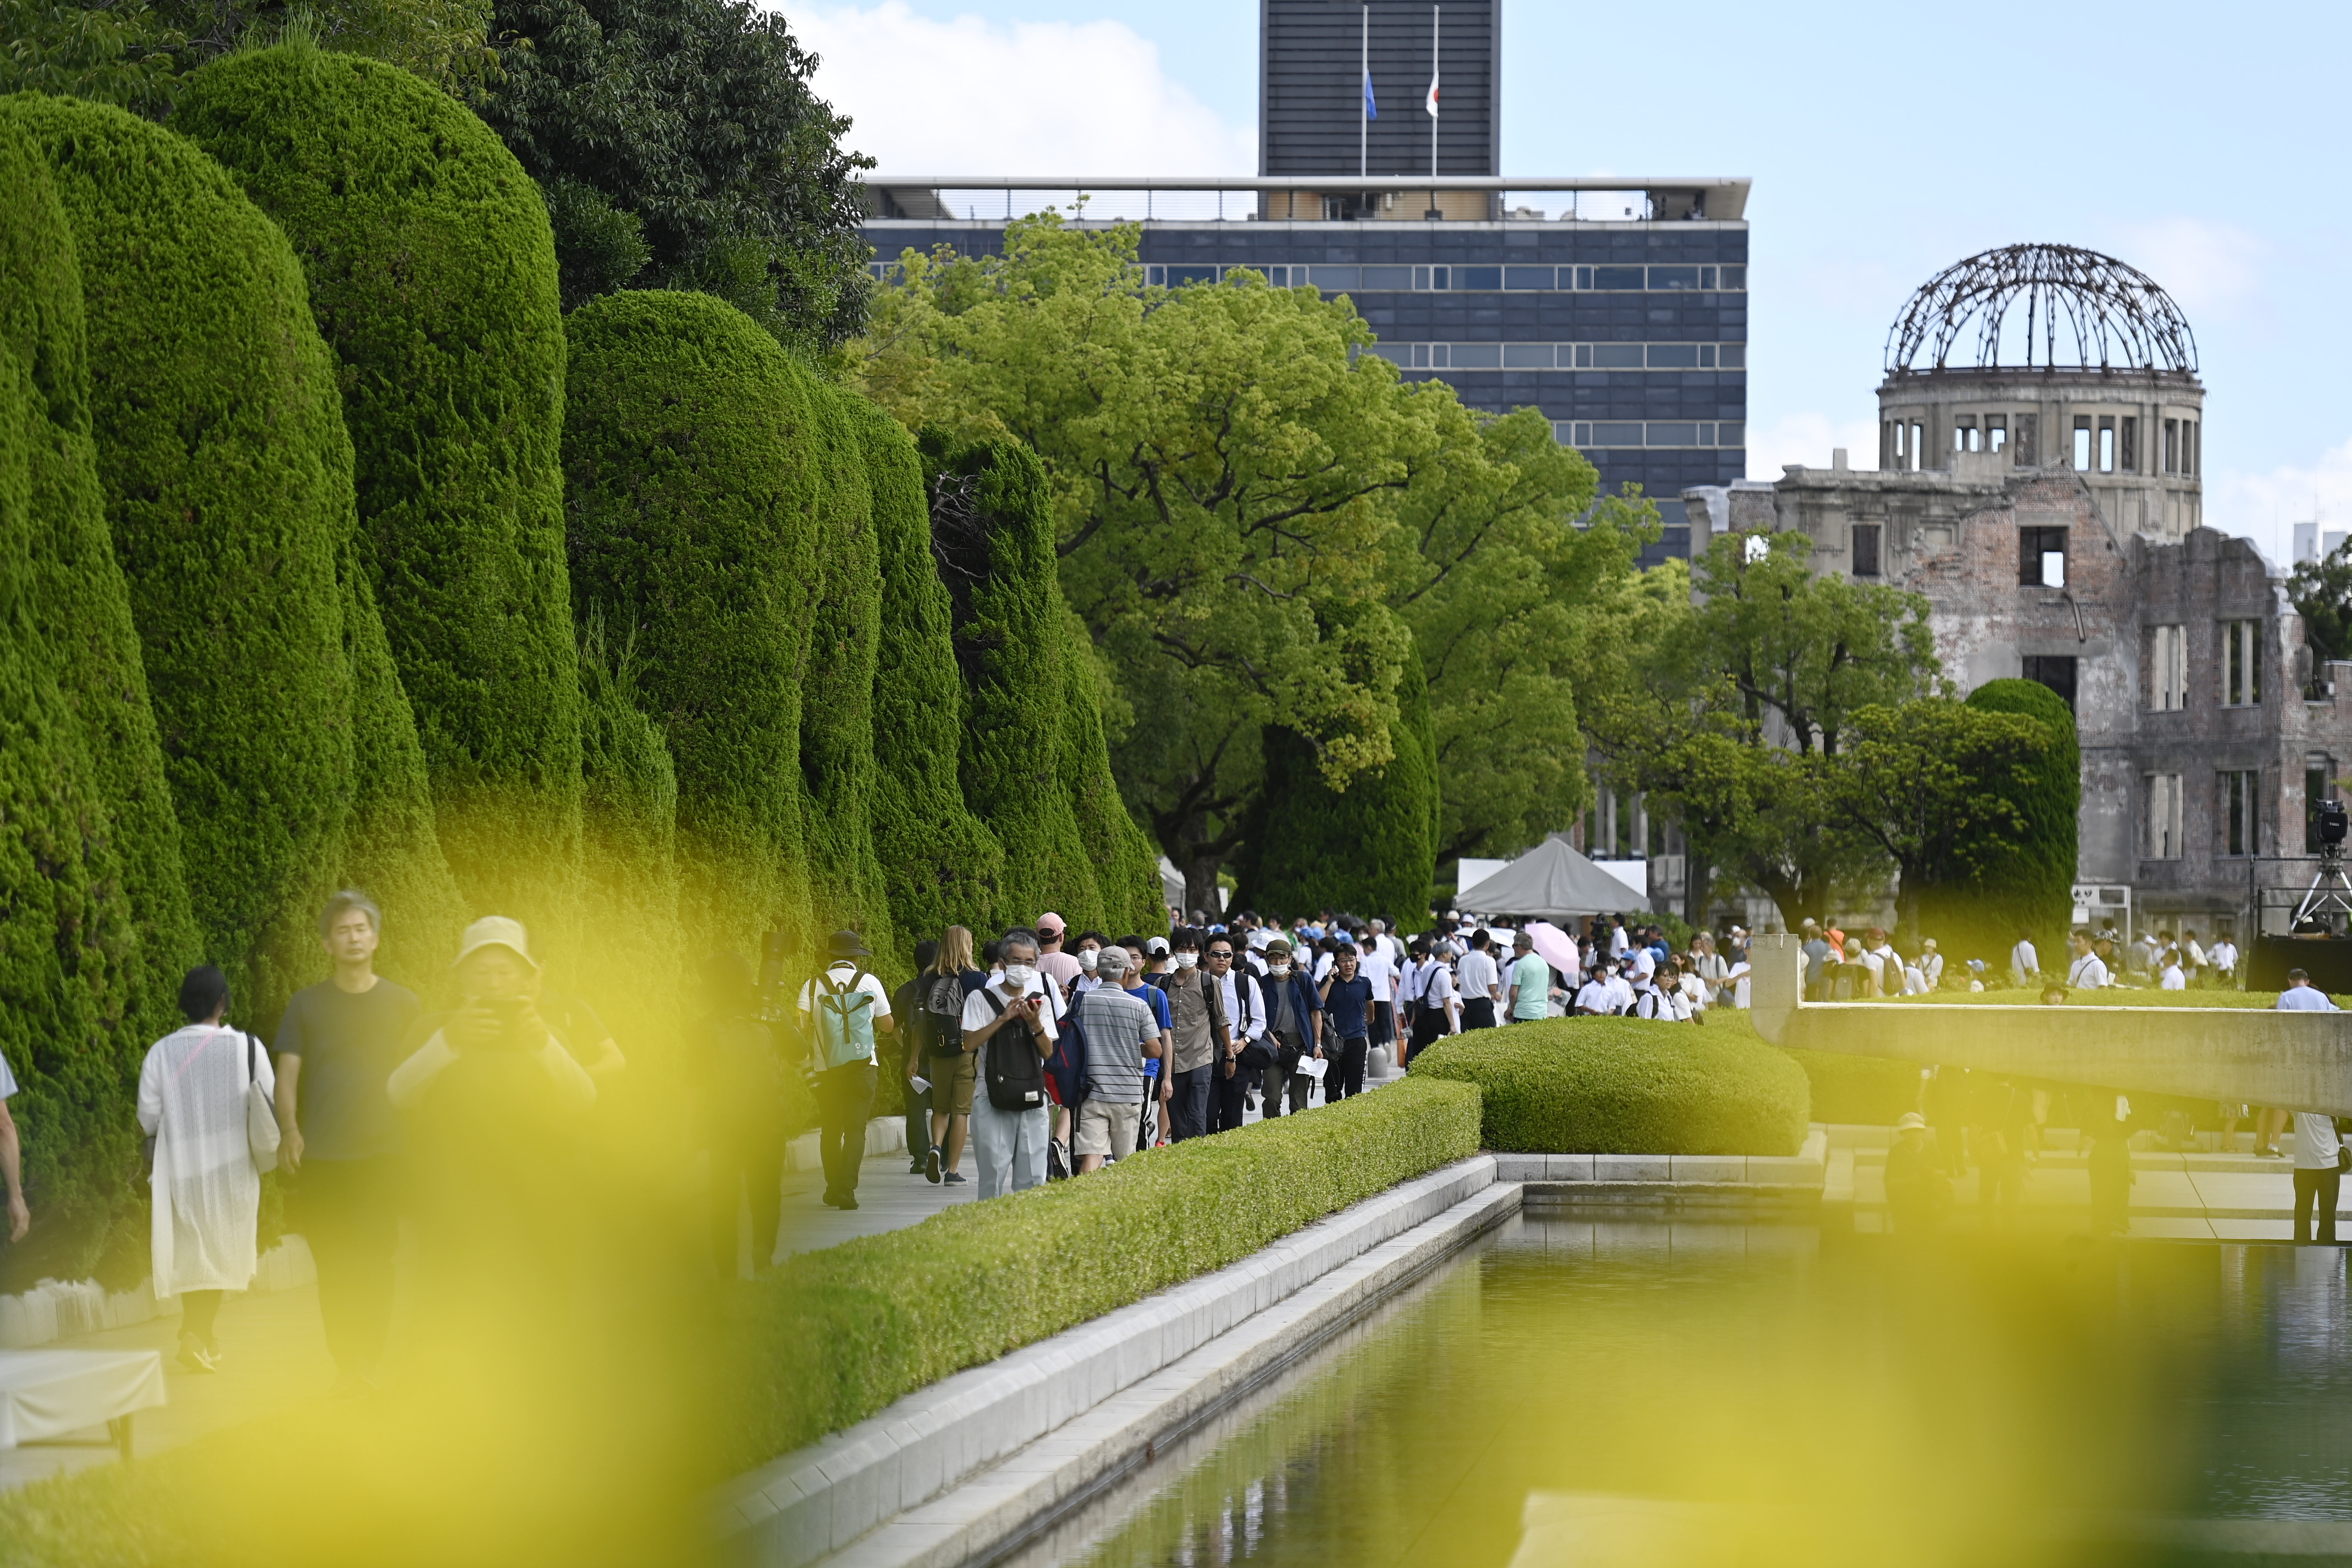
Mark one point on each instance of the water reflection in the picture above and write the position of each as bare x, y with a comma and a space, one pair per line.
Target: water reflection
1574, 1392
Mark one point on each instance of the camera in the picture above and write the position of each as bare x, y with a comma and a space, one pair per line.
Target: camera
2329, 819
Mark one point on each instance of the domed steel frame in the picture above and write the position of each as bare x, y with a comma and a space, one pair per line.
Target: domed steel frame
2117, 316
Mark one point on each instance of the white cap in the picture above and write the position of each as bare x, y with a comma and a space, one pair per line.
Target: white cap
495, 931
1156, 946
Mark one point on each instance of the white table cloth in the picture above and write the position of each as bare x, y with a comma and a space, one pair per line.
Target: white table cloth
47, 1394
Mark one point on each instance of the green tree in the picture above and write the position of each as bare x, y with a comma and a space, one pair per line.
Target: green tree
689, 453
1730, 705
1371, 847
1237, 488
124, 54
2020, 879
942, 866
630, 824
432, 275
227, 482
1942, 788
682, 147
82, 963
1126, 864
2322, 595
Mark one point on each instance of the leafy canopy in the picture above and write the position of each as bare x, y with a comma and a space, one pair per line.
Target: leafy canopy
1255, 519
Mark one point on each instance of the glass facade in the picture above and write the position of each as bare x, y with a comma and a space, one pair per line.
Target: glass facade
1631, 338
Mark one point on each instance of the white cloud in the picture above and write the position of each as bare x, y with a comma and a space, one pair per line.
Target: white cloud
972, 95
1809, 438
2265, 507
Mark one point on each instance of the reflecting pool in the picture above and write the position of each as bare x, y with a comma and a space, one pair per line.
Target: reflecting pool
1572, 1391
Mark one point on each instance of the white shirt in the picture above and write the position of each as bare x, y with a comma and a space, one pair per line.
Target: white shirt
839, 975
1620, 994
1931, 969
2305, 999
1437, 987
2223, 954
7, 1079
2316, 1141
979, 1015
1618, 941
2024, 960
1594, 997
1645, 963
1323, 962
1232, 986
1375, 967
2088, 973
206, 1193
2172, 980
1478, 974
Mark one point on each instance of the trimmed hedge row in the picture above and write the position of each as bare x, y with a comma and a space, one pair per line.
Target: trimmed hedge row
834, 1336
431, 275
1624, 1086
227, 478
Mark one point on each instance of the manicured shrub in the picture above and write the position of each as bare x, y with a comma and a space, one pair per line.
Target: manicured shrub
1371, 847
691, 489
78, 595
227, 482
941, 866
431, 275
1126, 863
630, 825
835, 1335
995, 540
72, 970
838, 770
1622, 1086
2029, 885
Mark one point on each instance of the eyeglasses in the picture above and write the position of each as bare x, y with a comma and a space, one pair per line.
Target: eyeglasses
1220, 952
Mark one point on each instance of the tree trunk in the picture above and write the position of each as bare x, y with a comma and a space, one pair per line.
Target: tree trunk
1698, 882
1200, 869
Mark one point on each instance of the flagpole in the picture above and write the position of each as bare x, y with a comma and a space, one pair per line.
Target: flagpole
1433, 93
1364, 109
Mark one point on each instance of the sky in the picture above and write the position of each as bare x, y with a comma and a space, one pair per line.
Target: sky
1886, 143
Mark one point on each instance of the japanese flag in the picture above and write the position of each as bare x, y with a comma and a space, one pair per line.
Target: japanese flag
1431, 104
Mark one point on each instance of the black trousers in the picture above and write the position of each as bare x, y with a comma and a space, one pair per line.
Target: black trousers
2325, 1186
1478, 1012
1188, 1103
843, 1096
349, 1211
747, 1162
1228, 1097
1346, 1068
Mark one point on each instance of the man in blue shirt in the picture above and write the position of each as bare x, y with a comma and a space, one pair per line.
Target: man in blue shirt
1347, 1011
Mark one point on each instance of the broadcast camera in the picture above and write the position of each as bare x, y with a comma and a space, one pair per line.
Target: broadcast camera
2330, 820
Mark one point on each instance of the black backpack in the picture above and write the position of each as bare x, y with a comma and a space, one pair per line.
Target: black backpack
943, 1020
1015, 1072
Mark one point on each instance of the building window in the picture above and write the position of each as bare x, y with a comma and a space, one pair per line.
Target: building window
2318, 785
2027, 426
2239, 801
2131, 445
2189, 452
2163, 839
1964, 433
2107, 443
2041, 557
2172, 446
2168, 669
1996, 432
2241, 663
2081, 443
2055, 671
1865, 549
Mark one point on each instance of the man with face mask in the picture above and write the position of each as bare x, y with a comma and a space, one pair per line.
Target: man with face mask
1011, 1143
1197, 1018
1294, 1022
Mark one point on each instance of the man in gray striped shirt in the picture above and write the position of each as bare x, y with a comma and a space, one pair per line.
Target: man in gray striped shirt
1120, 1031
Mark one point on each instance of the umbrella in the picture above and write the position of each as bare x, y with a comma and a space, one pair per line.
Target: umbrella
1555, 947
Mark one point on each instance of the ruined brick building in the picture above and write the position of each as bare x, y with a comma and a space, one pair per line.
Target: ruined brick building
2038, 481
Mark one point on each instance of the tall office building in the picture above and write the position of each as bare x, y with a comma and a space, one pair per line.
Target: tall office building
1617, 306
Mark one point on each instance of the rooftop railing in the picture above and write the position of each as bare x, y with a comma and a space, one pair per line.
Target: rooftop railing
1379, 198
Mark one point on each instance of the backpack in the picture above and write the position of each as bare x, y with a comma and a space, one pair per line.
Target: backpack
845, 1023
942, 1016
1014, 1071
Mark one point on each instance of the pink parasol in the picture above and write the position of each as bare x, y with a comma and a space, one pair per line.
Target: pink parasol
1555, 945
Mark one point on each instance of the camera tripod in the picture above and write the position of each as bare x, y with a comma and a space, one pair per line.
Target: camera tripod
2331, 889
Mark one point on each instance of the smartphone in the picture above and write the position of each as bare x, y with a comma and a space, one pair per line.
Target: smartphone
509, 1012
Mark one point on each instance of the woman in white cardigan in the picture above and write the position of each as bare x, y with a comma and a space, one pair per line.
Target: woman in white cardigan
207, 1194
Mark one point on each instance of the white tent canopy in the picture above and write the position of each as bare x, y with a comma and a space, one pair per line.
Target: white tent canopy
1551, 881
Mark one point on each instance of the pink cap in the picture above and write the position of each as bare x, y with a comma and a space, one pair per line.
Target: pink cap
1051, 924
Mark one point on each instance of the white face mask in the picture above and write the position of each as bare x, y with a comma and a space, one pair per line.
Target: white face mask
1017, 976
1279, 971
1088, 957
1187, 960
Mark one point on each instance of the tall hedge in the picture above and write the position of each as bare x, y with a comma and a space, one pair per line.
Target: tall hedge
227, 482
630, 822
1371, 847
1126, 863
2031, 886
941, 864
996, 552
80, 600
432, 274
838, 770
692, 492
75, 983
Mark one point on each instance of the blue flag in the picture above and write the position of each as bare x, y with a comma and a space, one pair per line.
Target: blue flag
1371, 104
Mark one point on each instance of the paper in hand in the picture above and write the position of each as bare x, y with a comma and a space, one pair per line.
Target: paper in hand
919, 1085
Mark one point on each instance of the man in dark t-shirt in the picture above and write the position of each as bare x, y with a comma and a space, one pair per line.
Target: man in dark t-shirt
337, 1044
1348, 1001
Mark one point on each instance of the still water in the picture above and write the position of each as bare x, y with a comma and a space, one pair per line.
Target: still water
1569, 1391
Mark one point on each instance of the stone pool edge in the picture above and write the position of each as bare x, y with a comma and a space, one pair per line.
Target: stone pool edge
966, 1470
